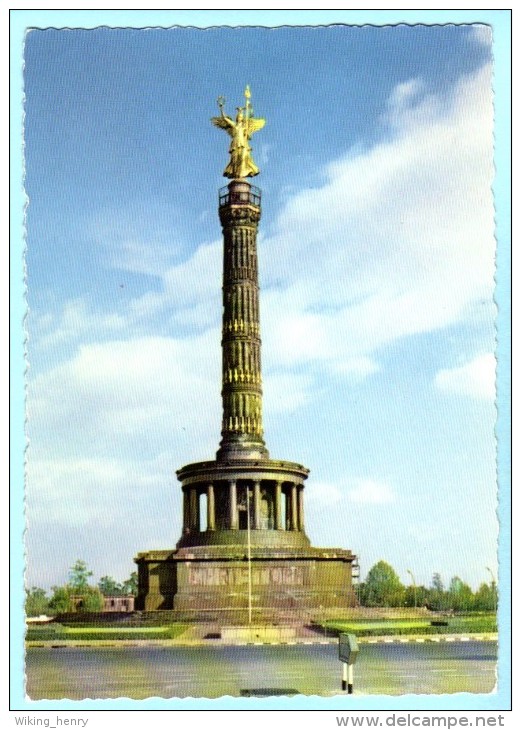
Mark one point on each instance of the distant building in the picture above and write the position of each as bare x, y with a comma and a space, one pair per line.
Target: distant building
123, 604
118, 603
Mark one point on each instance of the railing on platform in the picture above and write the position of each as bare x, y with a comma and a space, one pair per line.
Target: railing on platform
253, 196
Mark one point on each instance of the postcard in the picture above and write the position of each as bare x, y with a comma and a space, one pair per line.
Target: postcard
263, 271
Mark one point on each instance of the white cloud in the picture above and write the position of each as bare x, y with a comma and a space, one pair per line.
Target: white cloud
359, 491
481, 34
476, 378
144, 241
368, 491
357, 368
80, 491
285, 392
148, 394
323, 494
75, 323
399, 241
404, 96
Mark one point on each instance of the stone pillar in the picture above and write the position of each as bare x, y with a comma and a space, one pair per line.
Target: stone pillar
242, 435
186, 512
294, 512
301, 507
233, 505
278, 506
194, 510
256, 505
210, 508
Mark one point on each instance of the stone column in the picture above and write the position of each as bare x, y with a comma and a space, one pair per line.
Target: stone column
186, 512
239, 213
194, 510
294, 507
278, 506
256, 505
210, 508
233, 504
301, 507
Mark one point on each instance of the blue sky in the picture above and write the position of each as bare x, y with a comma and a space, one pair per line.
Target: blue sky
377, 276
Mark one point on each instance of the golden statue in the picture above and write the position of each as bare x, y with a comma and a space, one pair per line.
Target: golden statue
241, 163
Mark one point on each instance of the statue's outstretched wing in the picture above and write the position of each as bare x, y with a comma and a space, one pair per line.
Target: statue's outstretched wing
224, 123
254, 125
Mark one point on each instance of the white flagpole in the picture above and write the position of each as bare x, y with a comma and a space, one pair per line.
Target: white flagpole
249, 552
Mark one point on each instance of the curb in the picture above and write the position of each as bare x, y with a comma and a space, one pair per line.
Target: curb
427, 639
123, 643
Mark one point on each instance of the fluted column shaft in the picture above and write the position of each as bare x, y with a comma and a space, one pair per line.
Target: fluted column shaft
256, 506
301, 507
242, 429
278, 506
194, 510
293, 513
186, 512
210, 508
232, 485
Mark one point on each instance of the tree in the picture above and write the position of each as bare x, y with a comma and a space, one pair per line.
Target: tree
92, 600
437, 583
109, 587
130, 586
77, 594
60, 600
383, 587
36, 602
416, 596
79, 576
485, 598
438, 598
66, 599
460, 596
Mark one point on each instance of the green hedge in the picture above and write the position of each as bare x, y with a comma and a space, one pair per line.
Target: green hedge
56, 632
399, 627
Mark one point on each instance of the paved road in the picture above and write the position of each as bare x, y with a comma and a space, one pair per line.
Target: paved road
140, 672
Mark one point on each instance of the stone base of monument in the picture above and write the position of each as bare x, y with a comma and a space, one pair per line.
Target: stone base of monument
222, 583
257, 633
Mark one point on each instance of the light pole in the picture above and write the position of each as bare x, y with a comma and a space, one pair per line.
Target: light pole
493, 585
356, 577
249, 551
413, 584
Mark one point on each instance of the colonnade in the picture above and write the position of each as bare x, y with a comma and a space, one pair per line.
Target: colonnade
284, 494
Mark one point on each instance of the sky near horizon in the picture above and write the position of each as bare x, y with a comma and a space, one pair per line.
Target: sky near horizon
376, 257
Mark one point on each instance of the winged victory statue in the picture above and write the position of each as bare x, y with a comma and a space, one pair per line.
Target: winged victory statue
241, 130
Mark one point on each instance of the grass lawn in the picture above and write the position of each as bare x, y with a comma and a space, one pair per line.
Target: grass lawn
57, 632
472, 624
